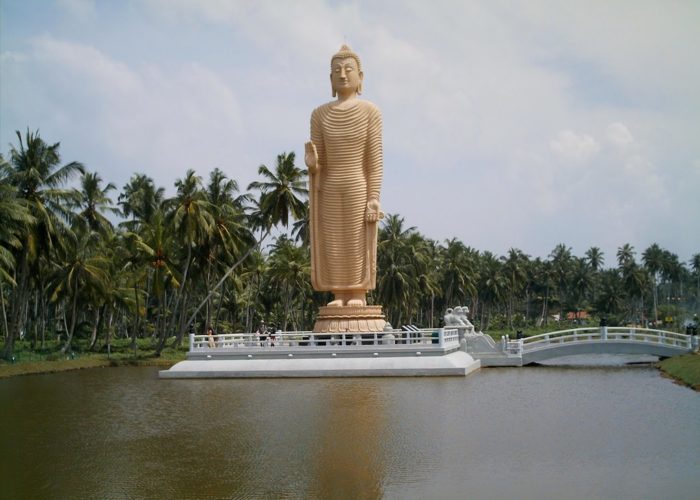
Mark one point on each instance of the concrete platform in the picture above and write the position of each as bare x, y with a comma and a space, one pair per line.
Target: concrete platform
455, 363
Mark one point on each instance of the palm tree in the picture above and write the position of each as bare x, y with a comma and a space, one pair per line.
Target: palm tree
653, 258
278, 200
230, 232
124, 269
153, 260
426, 260
282, 191
94, 202
301, 229
396, 276
492, 286
560, 259
290, 275
230, 237
81, 276
635, 282
695, 265
35, 173
543, 282
515, 272
143, 202
595, 258
609, 301
530, 285
140, 200
15, 219
625, 255
582, 282
458, 261
672, 273
190, 216
253, 273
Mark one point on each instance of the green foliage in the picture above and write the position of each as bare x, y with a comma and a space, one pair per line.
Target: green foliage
281, 191
28, 360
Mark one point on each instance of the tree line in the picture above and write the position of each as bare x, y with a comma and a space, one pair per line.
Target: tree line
212, 255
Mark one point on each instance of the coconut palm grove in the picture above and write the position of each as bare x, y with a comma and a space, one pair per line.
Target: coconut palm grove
84, 265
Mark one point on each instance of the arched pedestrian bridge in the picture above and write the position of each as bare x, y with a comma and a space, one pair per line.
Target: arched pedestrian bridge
603, 340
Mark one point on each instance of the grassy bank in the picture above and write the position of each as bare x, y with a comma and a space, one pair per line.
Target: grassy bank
48, 359
684, 369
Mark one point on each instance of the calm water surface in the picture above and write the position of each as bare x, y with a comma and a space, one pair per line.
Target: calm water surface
547, 432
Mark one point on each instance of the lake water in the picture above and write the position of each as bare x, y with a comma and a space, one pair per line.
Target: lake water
545, 432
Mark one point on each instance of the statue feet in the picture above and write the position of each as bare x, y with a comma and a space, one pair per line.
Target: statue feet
351, 299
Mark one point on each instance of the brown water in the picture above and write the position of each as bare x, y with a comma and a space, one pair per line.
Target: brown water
500, 433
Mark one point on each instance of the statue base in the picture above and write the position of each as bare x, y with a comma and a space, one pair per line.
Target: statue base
341, 319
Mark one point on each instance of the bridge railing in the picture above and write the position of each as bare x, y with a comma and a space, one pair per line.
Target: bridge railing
435, 337
512, 347
617, 334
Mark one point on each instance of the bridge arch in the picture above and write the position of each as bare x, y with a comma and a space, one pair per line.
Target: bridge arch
598, 347
603, 340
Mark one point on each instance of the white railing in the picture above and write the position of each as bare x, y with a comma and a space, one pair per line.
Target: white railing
448, 336
616, 334
512, 347
441, 337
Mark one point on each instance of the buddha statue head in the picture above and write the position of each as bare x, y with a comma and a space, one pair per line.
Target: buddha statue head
346, 72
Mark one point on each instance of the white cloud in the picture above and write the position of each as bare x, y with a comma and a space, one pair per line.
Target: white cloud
12, 57
81, 9
638, 165
619, 135
642, 47
98, 72
160, 120
574, 147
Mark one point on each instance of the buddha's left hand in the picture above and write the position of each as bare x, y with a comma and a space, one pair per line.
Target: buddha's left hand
373, 211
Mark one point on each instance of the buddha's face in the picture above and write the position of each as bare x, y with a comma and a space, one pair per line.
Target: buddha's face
345, 76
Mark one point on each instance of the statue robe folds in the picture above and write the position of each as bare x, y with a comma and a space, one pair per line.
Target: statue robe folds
343, 244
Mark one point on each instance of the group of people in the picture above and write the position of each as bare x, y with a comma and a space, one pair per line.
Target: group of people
265, 335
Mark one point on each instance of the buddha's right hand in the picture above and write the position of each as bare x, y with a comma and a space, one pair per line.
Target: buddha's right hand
311, 157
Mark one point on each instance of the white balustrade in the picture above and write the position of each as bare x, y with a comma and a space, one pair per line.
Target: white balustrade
443, 338
617, 334
437, 338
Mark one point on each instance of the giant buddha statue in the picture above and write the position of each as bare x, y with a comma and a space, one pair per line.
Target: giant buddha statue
344, 158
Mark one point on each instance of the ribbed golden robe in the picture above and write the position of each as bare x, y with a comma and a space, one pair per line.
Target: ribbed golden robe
343, 243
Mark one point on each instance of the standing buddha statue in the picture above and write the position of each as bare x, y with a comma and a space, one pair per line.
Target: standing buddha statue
344, 158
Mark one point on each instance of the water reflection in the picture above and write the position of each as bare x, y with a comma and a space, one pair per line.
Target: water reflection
601, 360
347, 460
525, 433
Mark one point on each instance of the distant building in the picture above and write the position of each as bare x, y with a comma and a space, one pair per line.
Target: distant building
579, 315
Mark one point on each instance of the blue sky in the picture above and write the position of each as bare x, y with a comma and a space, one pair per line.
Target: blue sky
506, 123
